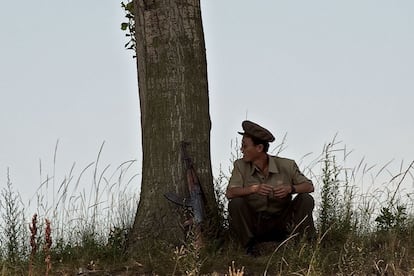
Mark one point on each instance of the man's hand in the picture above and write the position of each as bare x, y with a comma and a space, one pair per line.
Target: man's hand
263, 189
281, 191
260, 189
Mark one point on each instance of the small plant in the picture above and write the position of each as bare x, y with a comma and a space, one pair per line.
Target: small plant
33, 243
336, 203
330, 186
13, 224
47, 246
392, 218
129, 26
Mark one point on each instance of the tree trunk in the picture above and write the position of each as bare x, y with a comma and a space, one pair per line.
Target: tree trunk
172, 80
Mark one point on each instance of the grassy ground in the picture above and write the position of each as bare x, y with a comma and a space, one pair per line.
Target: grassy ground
360, 233
379, 254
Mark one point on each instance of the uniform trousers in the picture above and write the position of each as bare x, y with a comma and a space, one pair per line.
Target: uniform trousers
251, 226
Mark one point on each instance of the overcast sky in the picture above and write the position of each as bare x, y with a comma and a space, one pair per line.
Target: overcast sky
308, 69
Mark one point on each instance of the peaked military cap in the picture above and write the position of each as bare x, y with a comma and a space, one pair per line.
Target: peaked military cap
254, 130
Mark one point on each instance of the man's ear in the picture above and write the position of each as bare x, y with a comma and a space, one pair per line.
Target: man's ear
260, 147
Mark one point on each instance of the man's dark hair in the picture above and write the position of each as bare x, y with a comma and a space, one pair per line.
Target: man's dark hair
257, 141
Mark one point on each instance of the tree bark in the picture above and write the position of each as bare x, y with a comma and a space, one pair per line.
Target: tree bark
174, 102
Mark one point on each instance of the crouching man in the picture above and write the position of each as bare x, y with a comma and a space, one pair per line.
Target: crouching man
261, 206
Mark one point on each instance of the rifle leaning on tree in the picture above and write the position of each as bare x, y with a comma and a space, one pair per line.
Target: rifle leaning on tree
195, 201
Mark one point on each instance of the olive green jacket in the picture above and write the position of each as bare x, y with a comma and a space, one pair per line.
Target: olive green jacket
282, 171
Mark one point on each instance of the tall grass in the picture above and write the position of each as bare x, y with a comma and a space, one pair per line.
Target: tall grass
90, 213
363, 216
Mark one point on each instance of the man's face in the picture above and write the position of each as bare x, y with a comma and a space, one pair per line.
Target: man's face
249, 150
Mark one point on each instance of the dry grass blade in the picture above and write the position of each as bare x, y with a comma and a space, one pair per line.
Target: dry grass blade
233, 271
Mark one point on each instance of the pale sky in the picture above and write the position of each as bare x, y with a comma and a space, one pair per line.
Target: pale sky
308, 69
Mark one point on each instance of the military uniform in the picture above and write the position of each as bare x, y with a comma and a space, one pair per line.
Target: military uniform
257, 217
264, 217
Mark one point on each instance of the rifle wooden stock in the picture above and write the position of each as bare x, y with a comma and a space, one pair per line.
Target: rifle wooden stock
195, 201
194, 188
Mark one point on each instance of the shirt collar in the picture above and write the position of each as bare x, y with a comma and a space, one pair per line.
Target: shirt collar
272, 166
